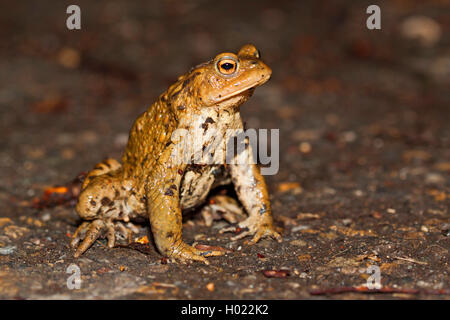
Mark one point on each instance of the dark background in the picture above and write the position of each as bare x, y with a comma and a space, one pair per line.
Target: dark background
364, 142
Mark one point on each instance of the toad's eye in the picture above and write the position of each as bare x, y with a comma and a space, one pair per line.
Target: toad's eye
227, 66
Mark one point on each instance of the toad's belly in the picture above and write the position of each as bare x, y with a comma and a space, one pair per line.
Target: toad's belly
197, 181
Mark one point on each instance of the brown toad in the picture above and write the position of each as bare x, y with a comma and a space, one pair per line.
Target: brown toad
153, 183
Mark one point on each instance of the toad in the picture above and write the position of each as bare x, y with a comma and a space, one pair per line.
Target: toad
158, 179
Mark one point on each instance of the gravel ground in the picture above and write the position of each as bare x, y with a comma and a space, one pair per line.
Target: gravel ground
364, 144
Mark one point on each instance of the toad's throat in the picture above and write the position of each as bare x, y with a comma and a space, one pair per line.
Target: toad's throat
236, 99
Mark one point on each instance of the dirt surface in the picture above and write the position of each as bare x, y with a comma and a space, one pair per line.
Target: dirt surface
364, 144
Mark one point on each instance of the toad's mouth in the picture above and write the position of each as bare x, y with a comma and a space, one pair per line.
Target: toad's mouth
243, 93
235, 100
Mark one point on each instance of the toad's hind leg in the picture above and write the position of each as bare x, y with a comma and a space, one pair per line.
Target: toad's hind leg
222, 207
102, 186
107, 165
102, 201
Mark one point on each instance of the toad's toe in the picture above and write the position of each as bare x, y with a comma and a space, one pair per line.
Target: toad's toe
93, 232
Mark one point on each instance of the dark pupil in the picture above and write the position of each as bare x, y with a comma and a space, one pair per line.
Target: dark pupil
227, 66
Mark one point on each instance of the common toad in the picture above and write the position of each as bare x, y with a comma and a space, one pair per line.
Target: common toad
153, 183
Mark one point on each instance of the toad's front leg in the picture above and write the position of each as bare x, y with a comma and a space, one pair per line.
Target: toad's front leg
166, 224
252, 192
165, 216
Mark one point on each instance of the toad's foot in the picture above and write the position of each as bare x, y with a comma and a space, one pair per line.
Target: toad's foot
184, 252
89, 232
222, 207
258, 228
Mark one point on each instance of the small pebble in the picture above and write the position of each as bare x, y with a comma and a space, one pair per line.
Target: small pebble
347, 222
305, 147
425, 30
7, 250
210, 286
299, 228
349, 136
434, 178
298, 242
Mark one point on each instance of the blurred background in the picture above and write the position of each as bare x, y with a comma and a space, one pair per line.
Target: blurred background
363, 114
65, 93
